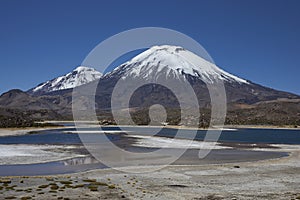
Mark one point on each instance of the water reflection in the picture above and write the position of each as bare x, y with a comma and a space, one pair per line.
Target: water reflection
81, 161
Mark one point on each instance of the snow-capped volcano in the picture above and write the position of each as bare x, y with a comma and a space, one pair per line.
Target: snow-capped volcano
172, 62
79, 76
167, 64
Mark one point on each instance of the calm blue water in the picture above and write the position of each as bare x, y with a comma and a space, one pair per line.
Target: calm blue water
53, 137
270, 136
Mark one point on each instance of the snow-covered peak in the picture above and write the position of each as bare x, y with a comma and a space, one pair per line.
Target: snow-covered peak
173, 61
157, 50
83, 68
79, 76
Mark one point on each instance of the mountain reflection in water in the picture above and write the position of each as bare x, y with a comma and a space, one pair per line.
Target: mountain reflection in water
81, 161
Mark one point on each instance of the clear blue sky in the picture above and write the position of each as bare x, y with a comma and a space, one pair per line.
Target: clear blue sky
256, 40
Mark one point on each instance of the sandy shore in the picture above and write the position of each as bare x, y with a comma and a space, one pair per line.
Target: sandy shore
23, 131
268, 179
234, 127
225, 127
262, 127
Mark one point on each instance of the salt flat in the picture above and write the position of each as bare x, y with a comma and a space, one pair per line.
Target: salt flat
30, 154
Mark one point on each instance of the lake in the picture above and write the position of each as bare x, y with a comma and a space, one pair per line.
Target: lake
65, 137
269, 136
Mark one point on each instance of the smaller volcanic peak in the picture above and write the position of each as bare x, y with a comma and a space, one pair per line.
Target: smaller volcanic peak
79, 76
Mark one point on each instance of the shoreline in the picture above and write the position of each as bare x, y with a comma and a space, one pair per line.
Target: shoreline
25, 130
288, 127
225, 127
276, 178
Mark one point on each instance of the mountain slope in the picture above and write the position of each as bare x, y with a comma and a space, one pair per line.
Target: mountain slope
79, 76
17, 99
